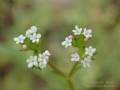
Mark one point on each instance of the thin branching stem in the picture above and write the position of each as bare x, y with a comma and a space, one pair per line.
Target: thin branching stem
73, 69
56, 70
70, 83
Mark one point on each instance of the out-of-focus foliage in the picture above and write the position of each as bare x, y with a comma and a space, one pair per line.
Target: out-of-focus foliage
55, 19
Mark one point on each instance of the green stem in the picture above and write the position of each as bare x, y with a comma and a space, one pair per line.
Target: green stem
71, 86
73, 68
56, 70
71, 73
78, 68
60, 73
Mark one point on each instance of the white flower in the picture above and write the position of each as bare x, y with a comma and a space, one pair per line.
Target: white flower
24, 46
77, 30
87, 33
47, 53
32, 61
68, 42
42, 65
43, 59
75, 57
20, 39
35, 38
86, 62
31, 31
90, 51
39, 61
32, 34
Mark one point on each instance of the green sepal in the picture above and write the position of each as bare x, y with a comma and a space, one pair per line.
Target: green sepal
32, 46
78, 42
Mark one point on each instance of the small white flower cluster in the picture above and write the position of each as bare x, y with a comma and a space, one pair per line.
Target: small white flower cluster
30, 34
86, 62
20, 39
39, 61
86, 32
77, 31
75, 57
68, 42
89, 52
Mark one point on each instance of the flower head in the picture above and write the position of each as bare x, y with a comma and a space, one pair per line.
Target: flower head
68, 42
20, 39
39, 61
47, 53
43, 59
87, 33
31, 31
90, 51
78, 42
42, 65
75, 57
86, 62
32, 34
35, 38
32, 61
77, 30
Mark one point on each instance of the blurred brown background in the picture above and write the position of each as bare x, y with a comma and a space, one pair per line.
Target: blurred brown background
55, 20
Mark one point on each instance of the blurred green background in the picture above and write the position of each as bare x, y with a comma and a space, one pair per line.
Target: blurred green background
55, 20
